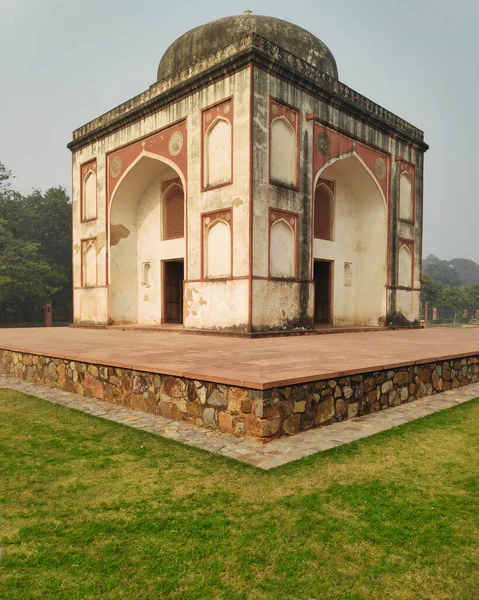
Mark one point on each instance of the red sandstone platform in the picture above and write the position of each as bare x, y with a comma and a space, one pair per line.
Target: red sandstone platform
255, 363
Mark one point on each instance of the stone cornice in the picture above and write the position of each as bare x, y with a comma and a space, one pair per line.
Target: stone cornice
248, 49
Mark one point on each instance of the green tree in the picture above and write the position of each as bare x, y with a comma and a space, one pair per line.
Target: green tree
430, 290
455, 298
442, 272
36, 236
472, 293
27, 279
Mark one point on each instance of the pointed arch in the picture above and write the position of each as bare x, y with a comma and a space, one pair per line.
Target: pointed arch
357, 157
406, 202
218, 153
218, 249
283, 153
361, 231
173, 212
144, 155
323, 212
405, 270
89, 198
88, 263
135, 239
282, 250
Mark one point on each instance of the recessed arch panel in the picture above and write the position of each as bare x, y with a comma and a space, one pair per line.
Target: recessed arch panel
218, 163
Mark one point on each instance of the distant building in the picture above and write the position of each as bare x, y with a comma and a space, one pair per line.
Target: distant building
248, 190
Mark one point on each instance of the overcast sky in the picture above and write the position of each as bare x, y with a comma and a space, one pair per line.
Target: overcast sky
64, 62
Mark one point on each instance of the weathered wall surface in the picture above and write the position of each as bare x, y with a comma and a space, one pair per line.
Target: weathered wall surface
364, 233
207, 191
244, 411
134, 205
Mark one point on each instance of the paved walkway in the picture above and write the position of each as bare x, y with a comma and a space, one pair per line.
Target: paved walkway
276, 453
255, 363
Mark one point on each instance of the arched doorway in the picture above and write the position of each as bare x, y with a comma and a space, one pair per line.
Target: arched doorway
351, 260
146, 236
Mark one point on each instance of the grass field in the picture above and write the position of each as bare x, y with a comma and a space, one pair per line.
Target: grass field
94, 510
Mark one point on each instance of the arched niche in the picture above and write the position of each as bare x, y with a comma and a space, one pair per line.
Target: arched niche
218, 250
360, 239
282, 250
136, 238
89, 263
218, 159
405, 266
174, 212
89, 197
406, 203
283, 153
323, 212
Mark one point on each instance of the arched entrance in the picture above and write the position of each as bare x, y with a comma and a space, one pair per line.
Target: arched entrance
147, 244
350, 267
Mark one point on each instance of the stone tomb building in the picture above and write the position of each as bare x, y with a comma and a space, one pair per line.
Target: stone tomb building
247, 191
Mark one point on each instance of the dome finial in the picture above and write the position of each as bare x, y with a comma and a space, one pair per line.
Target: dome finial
248, 12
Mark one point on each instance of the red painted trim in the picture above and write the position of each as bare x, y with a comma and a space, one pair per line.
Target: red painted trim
408, 169
90, 166
157, 137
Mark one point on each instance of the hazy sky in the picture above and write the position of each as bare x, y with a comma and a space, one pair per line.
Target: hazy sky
64, 62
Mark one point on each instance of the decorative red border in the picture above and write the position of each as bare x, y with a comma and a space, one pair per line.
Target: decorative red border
85, 168
208, 219
209, 116
275, 215
408, 169
409, 244
84, 242
279, 110
156, 143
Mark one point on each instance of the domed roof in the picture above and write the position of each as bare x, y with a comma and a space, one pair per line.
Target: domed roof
211, 37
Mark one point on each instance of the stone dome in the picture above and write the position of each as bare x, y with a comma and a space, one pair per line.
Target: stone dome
211, 37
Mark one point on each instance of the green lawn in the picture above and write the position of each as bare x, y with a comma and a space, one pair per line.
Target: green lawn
92, 509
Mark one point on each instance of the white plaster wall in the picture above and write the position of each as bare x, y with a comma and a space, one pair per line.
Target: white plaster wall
235, 195
405, 198
275, 303
283, 152
266, 86
282, 250
218, 153
89, 303
218, 250
89, 192
405, 267
360, 238
216, 305
408, 303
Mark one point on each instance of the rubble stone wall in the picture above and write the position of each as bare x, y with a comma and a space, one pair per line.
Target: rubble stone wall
263, 414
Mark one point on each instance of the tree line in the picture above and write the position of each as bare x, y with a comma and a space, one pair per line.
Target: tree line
35, 252
455, 299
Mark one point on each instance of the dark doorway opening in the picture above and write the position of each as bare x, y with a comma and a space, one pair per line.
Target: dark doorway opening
322, 291
173, 276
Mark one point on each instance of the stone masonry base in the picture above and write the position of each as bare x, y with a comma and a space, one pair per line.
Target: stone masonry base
262, 414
